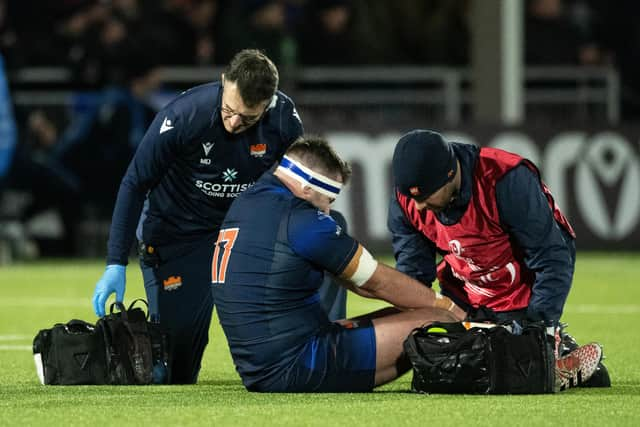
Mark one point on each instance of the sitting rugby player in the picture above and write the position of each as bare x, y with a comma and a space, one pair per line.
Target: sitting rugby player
275, 242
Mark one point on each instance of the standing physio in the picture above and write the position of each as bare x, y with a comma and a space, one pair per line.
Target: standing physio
201, 151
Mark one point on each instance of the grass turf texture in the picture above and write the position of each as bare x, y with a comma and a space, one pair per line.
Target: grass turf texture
603, 306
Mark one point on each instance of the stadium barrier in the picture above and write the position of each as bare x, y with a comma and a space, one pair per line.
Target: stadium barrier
589, 160
589, 92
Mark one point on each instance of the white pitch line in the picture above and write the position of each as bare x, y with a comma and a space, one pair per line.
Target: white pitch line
84, 302
51, 302
15, 337
15, 347
602, 308
27, 302
10, 347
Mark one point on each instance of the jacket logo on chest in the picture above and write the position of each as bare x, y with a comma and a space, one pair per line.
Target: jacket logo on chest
457, 250
166, 125
258, 150
229, 175
207, 146
455, 247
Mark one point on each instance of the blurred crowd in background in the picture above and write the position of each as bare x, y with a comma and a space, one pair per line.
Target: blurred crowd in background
97, 37
114, 48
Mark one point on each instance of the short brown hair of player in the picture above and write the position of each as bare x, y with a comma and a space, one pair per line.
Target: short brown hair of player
316, 153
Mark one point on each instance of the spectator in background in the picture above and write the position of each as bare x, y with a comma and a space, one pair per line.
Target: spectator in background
8, 133
79, 29
85, 33
33, 33
268, 25
10, 235
410, 32
202, 18
432, 32
101, 48
102, 138
324, 35
188, 30
618, 31
23, 167
97, 34
8, 38
374, 33
552, 38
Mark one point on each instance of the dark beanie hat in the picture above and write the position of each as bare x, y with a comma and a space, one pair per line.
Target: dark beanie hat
422, 163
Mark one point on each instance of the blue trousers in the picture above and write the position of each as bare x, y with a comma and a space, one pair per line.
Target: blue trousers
179, 296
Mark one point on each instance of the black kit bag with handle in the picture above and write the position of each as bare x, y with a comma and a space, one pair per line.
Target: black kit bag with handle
122, 348
70, 353
448, 358
128, 346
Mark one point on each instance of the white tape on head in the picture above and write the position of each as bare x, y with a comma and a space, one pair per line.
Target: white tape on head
306, 176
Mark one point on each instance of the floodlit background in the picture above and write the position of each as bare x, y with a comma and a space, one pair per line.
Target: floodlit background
557, 81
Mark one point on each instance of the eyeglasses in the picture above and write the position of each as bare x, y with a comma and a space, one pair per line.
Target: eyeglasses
244, 119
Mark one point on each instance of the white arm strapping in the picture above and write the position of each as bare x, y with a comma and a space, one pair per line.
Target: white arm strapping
366, 267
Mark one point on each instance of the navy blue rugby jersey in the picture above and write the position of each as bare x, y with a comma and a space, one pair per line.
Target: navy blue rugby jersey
188, 169
269, 263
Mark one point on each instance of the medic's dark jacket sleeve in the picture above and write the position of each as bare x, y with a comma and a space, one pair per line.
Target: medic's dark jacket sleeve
415, 254
549, 251
151, 160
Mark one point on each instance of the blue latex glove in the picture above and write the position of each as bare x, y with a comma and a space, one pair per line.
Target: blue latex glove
113, 280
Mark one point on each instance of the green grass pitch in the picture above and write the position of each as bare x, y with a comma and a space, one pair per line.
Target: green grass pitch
603, 306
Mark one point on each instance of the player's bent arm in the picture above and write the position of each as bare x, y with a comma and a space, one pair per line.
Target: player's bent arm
376, 280
356, 289
405, 292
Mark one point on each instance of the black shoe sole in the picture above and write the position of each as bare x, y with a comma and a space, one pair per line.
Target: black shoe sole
600, 378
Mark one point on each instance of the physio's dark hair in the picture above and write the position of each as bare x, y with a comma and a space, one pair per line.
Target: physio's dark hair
255, 74
316, 154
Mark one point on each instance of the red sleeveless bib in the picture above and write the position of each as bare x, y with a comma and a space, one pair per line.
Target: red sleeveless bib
481, 265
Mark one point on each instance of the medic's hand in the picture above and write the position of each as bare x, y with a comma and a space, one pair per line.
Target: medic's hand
113, 280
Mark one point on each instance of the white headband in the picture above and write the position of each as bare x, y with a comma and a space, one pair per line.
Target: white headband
306, 176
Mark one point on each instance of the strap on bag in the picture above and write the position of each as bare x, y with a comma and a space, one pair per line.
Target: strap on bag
146, 304
124, 318
76, 326
121, 308
124, 313
137, 355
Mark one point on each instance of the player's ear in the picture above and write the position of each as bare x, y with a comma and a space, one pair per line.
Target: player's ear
306, 191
